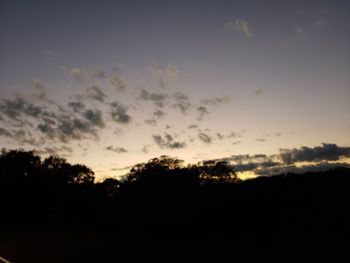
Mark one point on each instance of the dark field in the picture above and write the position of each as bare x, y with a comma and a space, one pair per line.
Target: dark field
54, 212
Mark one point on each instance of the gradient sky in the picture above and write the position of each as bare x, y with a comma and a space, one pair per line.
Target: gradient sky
113, 83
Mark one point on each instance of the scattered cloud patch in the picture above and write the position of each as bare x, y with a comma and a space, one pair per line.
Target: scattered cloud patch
205, 138
94, 93
159, 99
202, 111
75, 73
118, 82
97, 72
116, 149
95, 118
168, 141
119, 113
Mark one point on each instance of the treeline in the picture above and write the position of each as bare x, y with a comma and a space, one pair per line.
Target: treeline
163, 197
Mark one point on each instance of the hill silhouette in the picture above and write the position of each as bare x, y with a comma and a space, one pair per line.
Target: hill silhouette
164, 211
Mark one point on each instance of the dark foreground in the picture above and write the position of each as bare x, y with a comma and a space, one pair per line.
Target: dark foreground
164, 213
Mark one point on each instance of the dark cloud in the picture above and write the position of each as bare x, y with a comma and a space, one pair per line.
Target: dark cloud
76, 106
24, 137
315, 159
116, 149
220, 136
159, 99
95, 93
152, 122
118, 82
95, 117
63, 150
159, 114
182, 102
65, 128
5, 133
192, 126
317, 167
202, 112
215, 101
167, 141
233, 134
260, 140
145, 148
119, 113
205, 137
326, 152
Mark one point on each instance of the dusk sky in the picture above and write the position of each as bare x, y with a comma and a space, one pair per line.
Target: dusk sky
264, 85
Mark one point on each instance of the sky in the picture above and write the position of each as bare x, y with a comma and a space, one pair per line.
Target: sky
264, 85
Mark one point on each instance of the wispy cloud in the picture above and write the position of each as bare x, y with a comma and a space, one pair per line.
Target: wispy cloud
241, 26
116, 149
75, 73
204, 137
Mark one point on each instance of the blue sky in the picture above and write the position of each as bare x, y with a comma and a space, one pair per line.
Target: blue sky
113, 83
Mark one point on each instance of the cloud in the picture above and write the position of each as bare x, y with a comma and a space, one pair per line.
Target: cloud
65, 127
159, 114
75, 73
159, 99
318, 167
258, 92
146, 148
95, 117
164, 72
152, 122
220, 136
192, 126
233, 134
116, 149
119, 113
182, 102
202, 112
168, 141
94, 93
5, 133
205, 137
326, 152
215, 101
171, 71
39, 91
97, 72
300, 160
18, 109
118, 82
76, 106
64, 150
260, 140
241, 26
